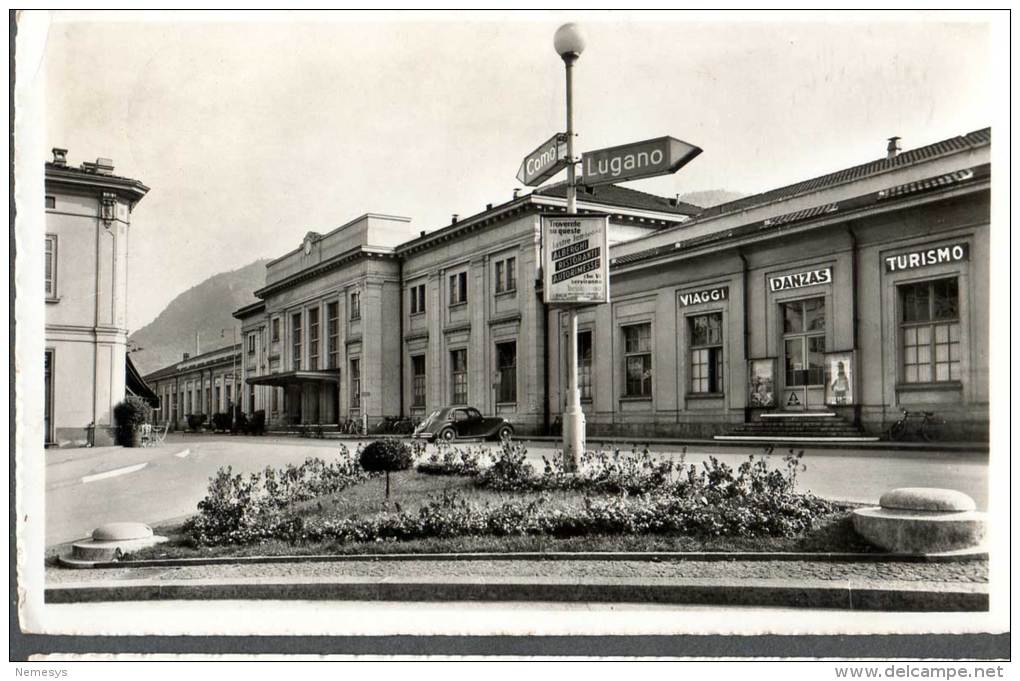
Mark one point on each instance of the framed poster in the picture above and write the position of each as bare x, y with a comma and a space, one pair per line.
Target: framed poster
839, 379
575, 261
761, 383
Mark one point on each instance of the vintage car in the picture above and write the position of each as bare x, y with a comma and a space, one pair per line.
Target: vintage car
450, 423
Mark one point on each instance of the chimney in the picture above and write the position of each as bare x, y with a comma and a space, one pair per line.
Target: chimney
422, 232
488, 206
59, 156
453, 220
516, 189
187, 355
893, 149
675, 201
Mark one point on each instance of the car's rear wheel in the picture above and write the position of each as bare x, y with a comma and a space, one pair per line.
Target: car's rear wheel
504, 433
447, 435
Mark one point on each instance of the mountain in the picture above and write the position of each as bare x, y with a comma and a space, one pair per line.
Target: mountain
710, 197
205, 308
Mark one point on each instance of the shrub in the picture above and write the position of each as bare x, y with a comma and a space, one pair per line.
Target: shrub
509, 469
384, 456
221, 422
195, 421
256, 425
449, 460
132, 412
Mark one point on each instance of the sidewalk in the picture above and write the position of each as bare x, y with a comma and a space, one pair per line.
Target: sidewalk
953, 586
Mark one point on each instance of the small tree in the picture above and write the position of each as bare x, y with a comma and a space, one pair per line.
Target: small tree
128, 415
383, 456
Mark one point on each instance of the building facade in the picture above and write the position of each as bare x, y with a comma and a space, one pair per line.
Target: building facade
203, 384
88, 214
858, 294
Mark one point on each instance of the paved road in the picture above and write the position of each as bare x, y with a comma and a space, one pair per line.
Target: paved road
169, 485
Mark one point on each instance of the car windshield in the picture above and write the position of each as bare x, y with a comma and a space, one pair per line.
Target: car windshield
431, 417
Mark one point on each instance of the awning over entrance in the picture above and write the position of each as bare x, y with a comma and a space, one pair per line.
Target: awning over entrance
285, 378
134, 384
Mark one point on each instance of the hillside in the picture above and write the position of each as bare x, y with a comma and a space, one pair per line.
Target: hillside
205, 308
711, 197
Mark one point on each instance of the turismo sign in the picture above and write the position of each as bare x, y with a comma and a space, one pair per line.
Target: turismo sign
928, 256
544, 162
575, 266
659, 156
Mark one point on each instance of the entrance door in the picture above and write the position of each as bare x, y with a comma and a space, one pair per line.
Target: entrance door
803, 355
48, 408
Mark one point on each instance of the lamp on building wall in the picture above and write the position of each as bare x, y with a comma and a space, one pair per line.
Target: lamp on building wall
108, 208
569, 43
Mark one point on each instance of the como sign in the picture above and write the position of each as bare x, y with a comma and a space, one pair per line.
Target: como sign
544, 162
659, 156
575, 266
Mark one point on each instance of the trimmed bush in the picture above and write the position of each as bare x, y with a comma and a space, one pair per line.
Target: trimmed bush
128, 415
221, 422
195, 421
385, 456
447, 460
256, 425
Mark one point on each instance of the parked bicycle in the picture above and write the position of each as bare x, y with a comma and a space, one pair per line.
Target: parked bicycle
919, 424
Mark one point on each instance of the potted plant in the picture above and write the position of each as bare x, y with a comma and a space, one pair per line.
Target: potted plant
128, 416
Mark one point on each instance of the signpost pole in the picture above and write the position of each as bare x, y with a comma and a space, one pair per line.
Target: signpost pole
569, 44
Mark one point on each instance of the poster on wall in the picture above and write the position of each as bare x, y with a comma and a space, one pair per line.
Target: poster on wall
575, 262
839, 379
761, 376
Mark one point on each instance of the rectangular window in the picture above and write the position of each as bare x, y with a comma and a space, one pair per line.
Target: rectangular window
637, 348
275, 399
229, 396
506, 275
584, 357
216, 405
418, 299
418, 381
51, 202
930, 328
706, 353
251, 344
276, 330
313, 338
458, 375
51, 266
355, 384
333, 330
506, 363
355, 306
458, 288
295, 335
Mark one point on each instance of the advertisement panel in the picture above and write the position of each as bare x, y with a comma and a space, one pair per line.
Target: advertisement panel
575, 262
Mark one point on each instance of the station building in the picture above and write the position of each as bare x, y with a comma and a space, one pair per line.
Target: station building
855, 294
87, 368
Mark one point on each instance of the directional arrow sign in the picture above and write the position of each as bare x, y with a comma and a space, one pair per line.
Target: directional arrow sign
544, 162
659, 156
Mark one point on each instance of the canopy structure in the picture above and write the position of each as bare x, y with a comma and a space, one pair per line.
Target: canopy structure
298, 377
134, 384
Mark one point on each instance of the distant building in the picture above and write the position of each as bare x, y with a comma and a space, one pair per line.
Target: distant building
198, 384
87, 372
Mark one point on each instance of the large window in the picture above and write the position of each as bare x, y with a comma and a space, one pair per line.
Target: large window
458, 288
458, 375
706, 353
506, 363
355, 306
51, 266
506, 275
637, 349
418, 381
313, 338
251, 344
355, 384
333, 330
930, 328
584, 357
417, 299
275, 330
295, 335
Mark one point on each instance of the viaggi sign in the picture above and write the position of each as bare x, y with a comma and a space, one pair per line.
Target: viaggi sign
659, 156
708, 295
575, 265
544, 162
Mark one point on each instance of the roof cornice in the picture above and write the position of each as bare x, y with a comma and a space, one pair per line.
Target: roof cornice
132, 190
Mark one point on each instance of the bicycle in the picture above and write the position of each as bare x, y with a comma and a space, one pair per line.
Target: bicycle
921, 422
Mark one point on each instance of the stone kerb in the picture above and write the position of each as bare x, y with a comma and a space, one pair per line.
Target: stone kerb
922, 520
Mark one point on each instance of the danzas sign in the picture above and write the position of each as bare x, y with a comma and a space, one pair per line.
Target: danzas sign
544, 162
575, 265
659, 156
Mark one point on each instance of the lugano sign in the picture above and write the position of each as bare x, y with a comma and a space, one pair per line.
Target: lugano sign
801, 279
575, 266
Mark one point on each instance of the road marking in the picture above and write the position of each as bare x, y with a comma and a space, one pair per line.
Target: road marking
182, 454
115, 472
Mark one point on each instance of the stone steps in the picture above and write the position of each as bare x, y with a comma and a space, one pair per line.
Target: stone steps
807, 427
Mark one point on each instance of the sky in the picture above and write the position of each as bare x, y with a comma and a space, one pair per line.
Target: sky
251, 133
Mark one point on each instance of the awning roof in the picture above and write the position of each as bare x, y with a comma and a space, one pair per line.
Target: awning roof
135, 384
285, 378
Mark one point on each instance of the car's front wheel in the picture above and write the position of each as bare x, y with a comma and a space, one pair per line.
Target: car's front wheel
447, 435
504, 433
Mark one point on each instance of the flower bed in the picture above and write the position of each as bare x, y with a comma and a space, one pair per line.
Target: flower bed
451, 495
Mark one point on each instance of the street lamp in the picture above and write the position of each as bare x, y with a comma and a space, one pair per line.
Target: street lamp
569, 43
